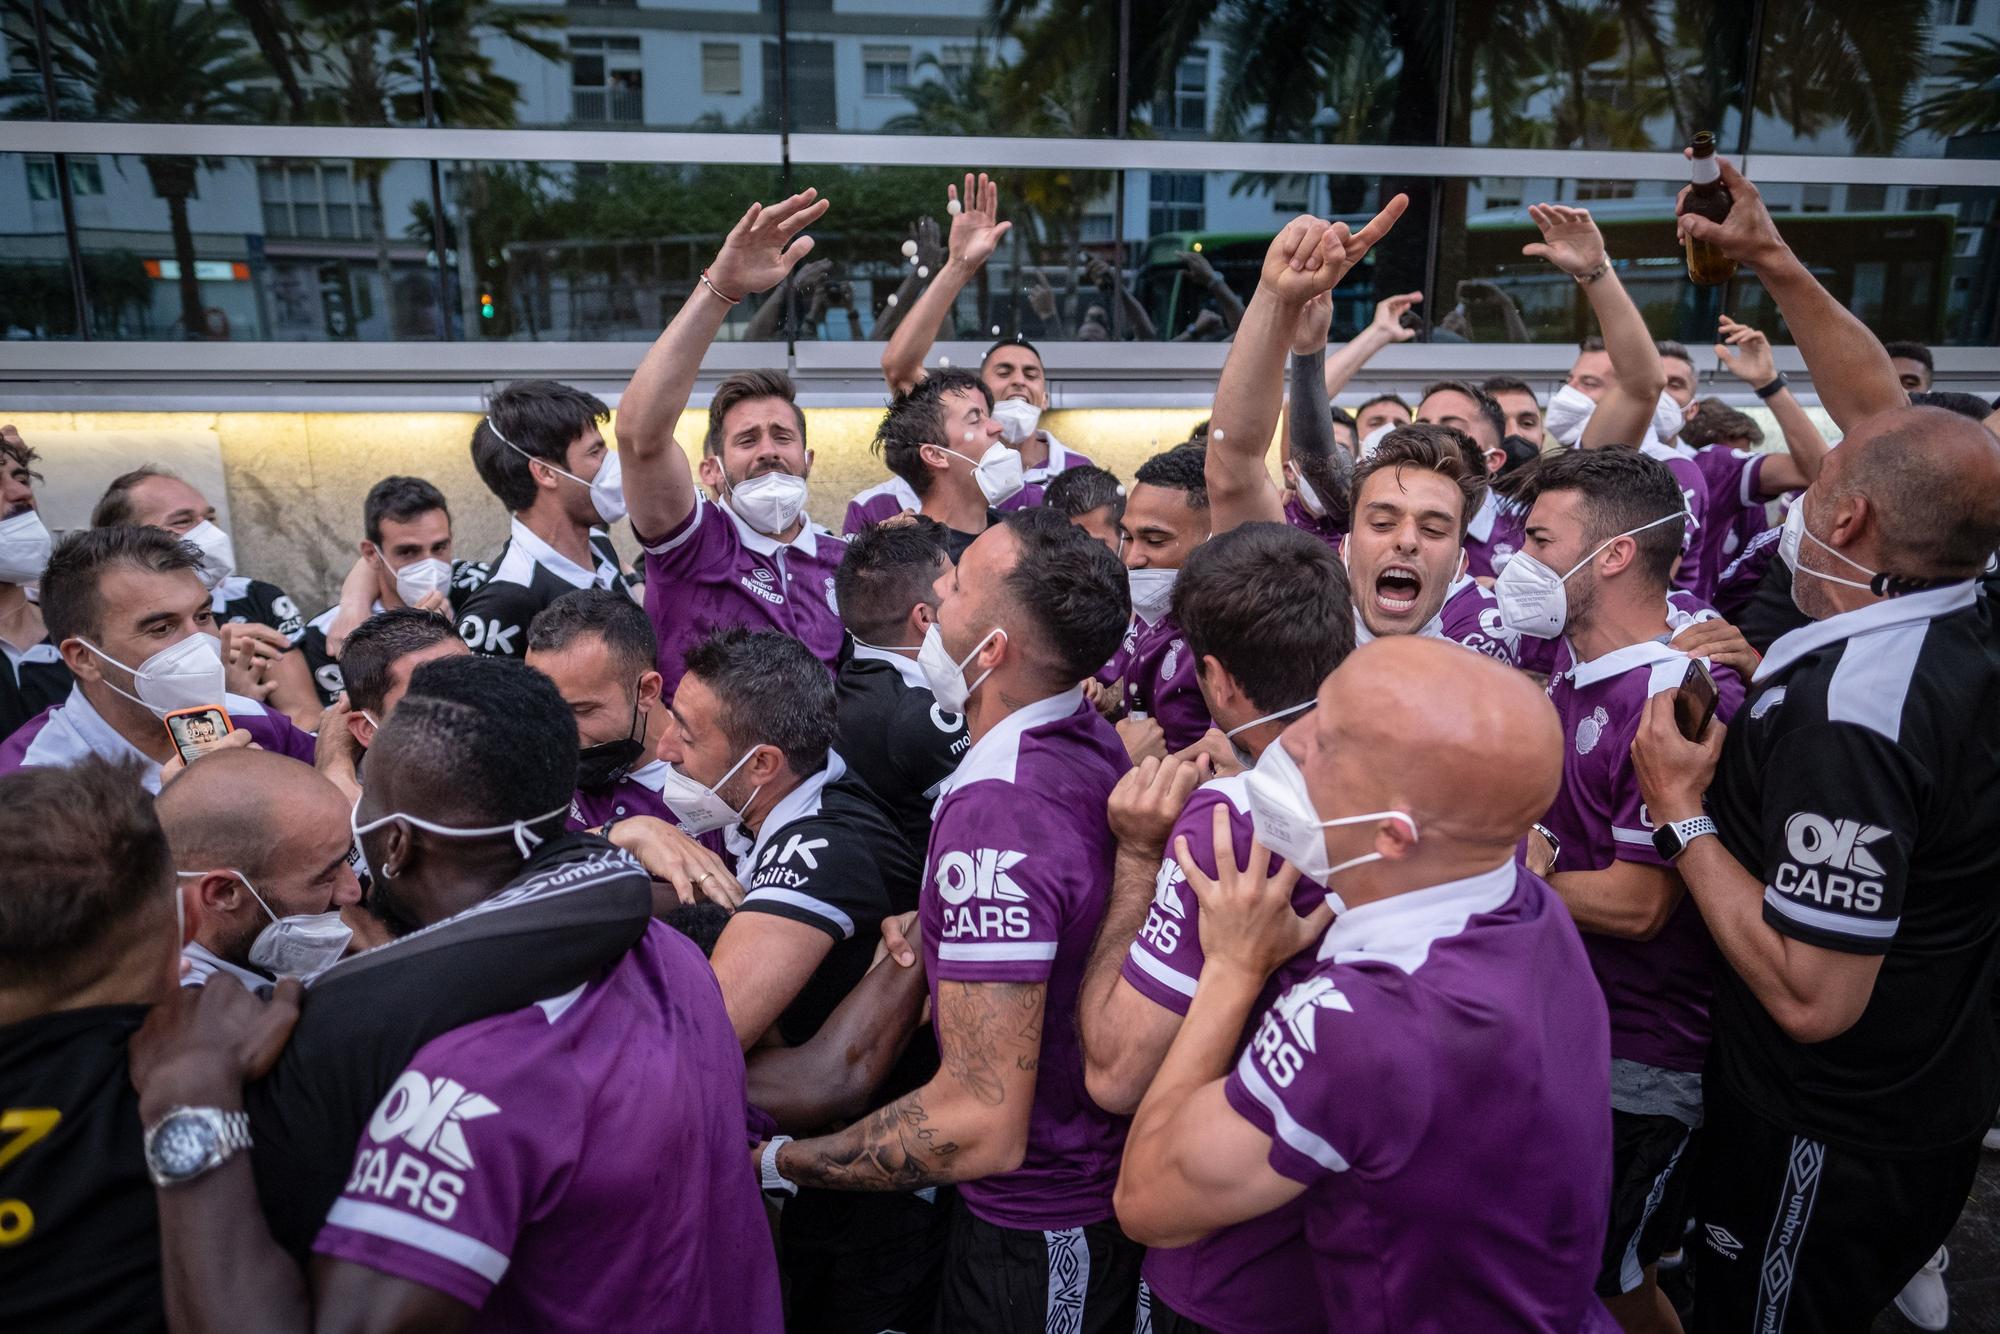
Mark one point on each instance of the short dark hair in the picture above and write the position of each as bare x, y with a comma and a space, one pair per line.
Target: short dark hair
1397, 399
399, 500
23, 454
1488, 406
1342, 417
1075, 492
1621, 489
114, 507
85, 856
1428, 447
1495, 385
71, 605
743, 387
1181, 469
773, 692
1016, 341
916, 419
1590, 343
1910, 350
1199, 435
1715, 421
1073, 591
1271, 603
538, 418
1952, 400
608, 614
887, 569
379, 643
491, 735
1668, 347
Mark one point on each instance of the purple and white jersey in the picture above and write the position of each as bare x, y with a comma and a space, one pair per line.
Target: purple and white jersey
1246, 1277
1742, 577
1015, 883
1303, 519
1736, 510
1430, 1202
1035, 481
1493, 536
66, 733
637, 793
1694, 574
714, 571
517, 1164
1158, 678
1657, 990
884, 500
1470, 617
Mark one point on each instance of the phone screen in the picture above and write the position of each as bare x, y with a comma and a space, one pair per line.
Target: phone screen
196, 731
1694, 702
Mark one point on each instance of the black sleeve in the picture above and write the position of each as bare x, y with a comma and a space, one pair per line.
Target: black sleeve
494, 618
466, 577
326, 676
821, 873
925, 742
1315, 453
276, 609
1840, 817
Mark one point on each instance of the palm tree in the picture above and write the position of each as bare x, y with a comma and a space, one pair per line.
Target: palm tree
151, 62
1972, 101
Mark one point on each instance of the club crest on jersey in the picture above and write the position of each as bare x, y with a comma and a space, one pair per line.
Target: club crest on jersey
1589, 730
1171, 661
832, 602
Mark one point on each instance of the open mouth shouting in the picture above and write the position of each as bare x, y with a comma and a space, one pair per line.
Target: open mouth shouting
1397, 589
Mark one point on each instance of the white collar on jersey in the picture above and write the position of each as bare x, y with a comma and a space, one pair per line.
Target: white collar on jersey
1889, 612
1645, 653
806, 543
229, 590
557, 564
995, 754
801, 801
1058, 462
906, 667
1401, 929
1481, 527
76, 730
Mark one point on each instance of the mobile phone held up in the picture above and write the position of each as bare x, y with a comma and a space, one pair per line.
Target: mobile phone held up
196, 731
1694, 701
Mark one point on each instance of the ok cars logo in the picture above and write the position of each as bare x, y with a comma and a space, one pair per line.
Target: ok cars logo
1831, 864
979, 874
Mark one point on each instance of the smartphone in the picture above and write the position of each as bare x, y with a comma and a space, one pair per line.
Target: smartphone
1694, 702
196, 731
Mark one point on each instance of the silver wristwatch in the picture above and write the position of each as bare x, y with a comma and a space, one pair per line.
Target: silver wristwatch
768, 1176
190, 1141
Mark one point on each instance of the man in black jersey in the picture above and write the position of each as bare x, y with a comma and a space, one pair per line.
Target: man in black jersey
88, 940
540, 449
1847, 862
892, 733
33, 676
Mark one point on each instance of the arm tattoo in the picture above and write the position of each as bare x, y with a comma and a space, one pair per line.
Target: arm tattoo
984, 1029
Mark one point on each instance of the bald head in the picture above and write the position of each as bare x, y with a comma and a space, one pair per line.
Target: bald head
244, 809
1931, 479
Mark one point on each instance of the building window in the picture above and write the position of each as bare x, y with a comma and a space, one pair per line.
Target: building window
721, 69
1097, 229
313, 200
606, 82
1867, 198
1501, 191
1604, 190
1818, 199
1177, 202
955, 63
885, 70
86, 178
1921, 199
1184, 109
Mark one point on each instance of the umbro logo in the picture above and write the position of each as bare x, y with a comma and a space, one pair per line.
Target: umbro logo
429, 1115
1721, 1241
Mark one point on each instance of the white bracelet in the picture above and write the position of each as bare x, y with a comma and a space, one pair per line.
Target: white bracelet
769, 1178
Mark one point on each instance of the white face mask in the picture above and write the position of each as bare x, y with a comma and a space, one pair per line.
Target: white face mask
1244, 757
1534, 600
526, 840
298, 946
1281, 812
770, 502
1018, 419
1152, 592
700, 808
24, 548
218, 553
1373, 440
421, 578
1788, 551
946, 675
607, 489
998, 472
1570, 410
1307, 496
186, 675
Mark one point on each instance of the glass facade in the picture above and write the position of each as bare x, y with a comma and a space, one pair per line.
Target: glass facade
1156, 148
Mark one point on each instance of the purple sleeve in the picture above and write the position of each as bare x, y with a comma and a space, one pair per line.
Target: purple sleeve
1631, 823
274, 731
1001, 889
1694, 494
856, 519
704, 538
1471, 617
452, 1165
1165, 959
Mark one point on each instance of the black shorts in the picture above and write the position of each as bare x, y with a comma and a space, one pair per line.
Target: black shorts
1650, 1161
1001, 1280
1796, 1234
1156, 1317
856, 1262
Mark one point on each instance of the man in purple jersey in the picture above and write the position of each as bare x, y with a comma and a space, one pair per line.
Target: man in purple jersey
745, 554
1165, 520
942, 440
1094, 500
1266, 613
1018, 874
127, 609
1366, 1091
1612, 519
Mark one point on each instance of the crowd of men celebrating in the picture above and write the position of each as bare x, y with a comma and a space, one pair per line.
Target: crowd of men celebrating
1429, 883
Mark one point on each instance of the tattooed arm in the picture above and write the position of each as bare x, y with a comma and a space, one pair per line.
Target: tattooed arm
969, 1121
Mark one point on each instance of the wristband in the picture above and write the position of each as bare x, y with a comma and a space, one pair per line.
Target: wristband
768, 1176
1586, 279
1766, 391
732, 300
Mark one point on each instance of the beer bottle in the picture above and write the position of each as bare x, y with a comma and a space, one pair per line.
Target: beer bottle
1708, 198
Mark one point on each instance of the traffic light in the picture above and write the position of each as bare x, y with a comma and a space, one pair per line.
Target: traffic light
486, 305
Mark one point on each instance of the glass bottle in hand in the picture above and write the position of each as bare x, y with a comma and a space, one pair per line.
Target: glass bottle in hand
1709, 198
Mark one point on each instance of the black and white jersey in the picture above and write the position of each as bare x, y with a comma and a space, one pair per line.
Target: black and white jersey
828, 856
528, 576
79, 1234
236, 600
31, 679
956, 541
894, 736
1861, 784
466, 575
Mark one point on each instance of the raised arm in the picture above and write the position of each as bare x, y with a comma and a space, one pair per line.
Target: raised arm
1387, 327
976, 231
1325, 466
1307, 258
755, 257
1571, 242
1747, 354
1203, 275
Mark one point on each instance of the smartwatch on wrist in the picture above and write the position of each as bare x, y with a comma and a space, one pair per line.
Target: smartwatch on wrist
1603, 267
189, 1142
1671, 840
768, 1176
1767, 390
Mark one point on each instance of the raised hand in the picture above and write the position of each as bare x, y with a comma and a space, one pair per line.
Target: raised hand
1247, 920
1570, 239
1311, 256
1315, 317
1747, 235
1041, 297
1198, 268
1389, 312
765, 244
1746, 352
1147, 801
976, 229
